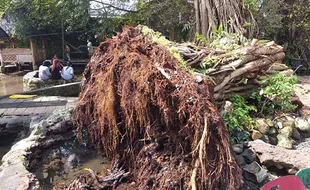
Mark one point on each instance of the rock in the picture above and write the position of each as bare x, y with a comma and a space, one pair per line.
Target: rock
270, 155
32, 82
248, 155
304, 112
257, 170
269, 122
265, 138
304, 146
286, 131
289, 123
279, 125
261, 126
284, 141
227, 107
296, 101
72, 162
198, 79
14, 173
302, 124
249, 185
292, 171
272, 131
273, 140
256, 135
238, 148
296, 134
240, 160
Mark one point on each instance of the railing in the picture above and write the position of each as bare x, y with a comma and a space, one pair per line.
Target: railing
17, 55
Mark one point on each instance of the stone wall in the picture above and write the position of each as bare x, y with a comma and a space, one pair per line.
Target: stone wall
32, 82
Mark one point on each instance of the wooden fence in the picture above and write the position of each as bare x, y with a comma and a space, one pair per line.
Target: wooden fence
17, 56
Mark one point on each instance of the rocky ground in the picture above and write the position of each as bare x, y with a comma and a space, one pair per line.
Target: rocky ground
281, 145
26, 154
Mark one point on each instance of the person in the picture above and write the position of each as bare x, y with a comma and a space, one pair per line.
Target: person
54, 57
90, 48
55, 69
68, 53
67, 72
44, 72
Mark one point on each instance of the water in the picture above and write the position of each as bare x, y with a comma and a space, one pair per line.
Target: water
61, 165
10, 84
13, 82
9, 138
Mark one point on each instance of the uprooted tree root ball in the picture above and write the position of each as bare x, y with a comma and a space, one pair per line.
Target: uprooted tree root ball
147, 114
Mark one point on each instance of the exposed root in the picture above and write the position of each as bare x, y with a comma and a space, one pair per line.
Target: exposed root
133, 90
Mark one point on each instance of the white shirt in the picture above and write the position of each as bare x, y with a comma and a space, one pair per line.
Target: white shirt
67, 73
44, 72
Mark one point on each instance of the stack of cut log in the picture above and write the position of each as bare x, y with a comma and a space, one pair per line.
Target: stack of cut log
236, 71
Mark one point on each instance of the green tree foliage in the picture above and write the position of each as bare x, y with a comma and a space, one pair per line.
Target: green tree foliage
286, 22
239, 120
31, 17
275, 96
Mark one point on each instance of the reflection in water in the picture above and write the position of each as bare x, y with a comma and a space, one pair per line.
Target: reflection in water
65, 162
10, 84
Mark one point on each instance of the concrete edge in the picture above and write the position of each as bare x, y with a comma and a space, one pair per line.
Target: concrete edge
44, 91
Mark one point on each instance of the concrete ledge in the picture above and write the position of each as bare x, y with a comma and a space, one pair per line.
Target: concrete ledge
32, 82
66, 90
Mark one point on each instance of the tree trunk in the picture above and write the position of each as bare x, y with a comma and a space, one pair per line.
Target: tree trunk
2, 66
210, 14
32, 46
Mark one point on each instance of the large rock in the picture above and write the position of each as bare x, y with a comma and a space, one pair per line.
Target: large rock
269, 122
296, 135
261, 126
270, 155
304, 112
238, 148
257, 170
287, 131
256, 135
302, 124
32, 82
284, 141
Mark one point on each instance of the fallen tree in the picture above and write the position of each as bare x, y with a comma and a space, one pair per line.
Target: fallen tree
153, 119
147, 112
233, 66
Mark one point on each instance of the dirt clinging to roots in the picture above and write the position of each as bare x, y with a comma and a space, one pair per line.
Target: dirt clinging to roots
147, 114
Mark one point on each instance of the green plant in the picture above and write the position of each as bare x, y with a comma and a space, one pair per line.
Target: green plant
239, 120
276, 94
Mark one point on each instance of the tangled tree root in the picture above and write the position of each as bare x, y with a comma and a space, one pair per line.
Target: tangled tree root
147, 113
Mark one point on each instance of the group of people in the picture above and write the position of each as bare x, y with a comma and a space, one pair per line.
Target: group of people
56, 71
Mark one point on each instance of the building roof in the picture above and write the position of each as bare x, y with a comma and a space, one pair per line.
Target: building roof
3, 34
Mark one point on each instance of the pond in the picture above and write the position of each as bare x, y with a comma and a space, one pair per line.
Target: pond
62, 164
13, 82
10, 84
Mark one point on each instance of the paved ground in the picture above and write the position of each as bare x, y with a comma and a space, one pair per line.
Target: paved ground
39, 104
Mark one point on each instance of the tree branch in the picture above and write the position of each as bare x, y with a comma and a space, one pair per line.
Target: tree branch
112, 6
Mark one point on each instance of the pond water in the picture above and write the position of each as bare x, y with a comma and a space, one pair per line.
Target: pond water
13, 82
10, 84
62, 164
